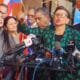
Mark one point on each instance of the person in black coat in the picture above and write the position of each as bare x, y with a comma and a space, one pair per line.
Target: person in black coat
76, 26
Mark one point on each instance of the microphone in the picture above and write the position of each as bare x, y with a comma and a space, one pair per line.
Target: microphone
76, 55
57, 53
29, 41
18, 50
70, 47
57, 49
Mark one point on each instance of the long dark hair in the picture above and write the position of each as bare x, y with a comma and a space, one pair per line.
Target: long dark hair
5, 32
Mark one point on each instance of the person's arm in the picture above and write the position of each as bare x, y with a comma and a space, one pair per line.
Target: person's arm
27, 30
23, 28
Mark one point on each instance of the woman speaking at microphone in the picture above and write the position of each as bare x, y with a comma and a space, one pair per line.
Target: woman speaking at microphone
64, 34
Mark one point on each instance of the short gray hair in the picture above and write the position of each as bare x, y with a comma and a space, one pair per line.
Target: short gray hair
43, 10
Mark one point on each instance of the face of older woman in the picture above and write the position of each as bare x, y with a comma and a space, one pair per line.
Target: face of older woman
1, 20
11, 25
60, 18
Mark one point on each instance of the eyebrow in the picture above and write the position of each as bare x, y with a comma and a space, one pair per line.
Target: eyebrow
3, 12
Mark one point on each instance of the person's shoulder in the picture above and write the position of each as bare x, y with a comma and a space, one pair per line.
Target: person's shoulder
72, 29
69, 27
77, 27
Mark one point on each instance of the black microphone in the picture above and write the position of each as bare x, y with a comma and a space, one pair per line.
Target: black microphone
70, 47
29, 41
16, 52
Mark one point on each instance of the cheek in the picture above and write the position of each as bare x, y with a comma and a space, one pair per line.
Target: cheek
54, 19
10, 27
1, 23
42, 23
67, 21
16, 25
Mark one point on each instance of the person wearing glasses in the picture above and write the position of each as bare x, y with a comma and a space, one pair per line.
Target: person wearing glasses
42, 19
65, 35
29, 20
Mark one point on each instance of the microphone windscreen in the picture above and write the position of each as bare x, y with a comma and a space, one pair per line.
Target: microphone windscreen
35, 41
57, 45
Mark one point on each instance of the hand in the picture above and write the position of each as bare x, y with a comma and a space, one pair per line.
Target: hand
47, 54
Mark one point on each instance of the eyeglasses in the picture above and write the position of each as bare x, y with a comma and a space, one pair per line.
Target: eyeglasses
38, 18
3, 12
60, 15
30, 15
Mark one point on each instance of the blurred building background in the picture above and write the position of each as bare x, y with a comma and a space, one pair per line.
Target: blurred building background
18, 5
50, 4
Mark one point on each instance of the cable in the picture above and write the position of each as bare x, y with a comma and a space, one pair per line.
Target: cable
21, 72
37, 67
51, 62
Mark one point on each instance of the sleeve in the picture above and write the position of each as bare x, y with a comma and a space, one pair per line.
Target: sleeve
27, 30
77, 39
23, 28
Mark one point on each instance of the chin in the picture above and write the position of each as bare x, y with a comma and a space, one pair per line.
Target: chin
12, 30
1, 26
58, 24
